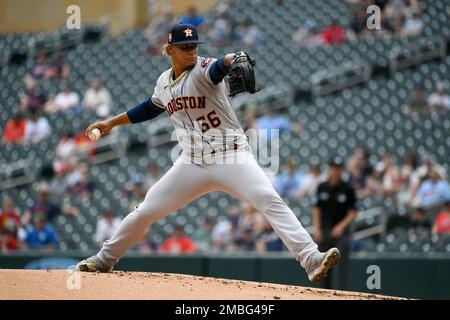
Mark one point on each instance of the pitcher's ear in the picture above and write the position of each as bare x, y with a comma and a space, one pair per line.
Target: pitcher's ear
166, 50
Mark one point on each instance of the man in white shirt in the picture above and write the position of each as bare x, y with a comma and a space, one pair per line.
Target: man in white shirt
440, 100
222, 234
310, 182
97, 98
429, 164
66, 100
37, 128
413, 27
106, 227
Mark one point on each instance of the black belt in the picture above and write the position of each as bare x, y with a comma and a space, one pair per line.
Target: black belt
224, 148
227, 147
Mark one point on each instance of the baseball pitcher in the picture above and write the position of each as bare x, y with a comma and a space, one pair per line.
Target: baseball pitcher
215, 155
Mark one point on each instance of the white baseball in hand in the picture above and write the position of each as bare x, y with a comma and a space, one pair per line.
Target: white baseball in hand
95, 134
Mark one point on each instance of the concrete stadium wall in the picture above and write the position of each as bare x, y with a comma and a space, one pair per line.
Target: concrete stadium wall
413, 277
32, 16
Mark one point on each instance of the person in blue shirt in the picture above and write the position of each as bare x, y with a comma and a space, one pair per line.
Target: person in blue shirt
433, 190
289, 182
272, 120
193, 18
268, 240
41, 235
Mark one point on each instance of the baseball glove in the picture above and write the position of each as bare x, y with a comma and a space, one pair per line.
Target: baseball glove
242, 76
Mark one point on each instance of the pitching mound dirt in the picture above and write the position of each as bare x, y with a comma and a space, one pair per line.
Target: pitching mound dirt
60, 284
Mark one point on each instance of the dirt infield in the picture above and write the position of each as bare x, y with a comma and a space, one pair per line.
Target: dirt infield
60, 284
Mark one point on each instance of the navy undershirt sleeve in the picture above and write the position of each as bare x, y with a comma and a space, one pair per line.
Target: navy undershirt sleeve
218, 71
144, 111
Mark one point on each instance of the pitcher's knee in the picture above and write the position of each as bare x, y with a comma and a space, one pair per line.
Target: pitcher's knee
148, 212
269, 202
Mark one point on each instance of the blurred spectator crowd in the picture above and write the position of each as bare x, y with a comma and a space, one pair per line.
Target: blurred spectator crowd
418, 103
70, 173
223, 31
400, 18
30, 121
411, 183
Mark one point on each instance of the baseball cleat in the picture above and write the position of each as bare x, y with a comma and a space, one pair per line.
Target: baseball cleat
93, 264
325, 262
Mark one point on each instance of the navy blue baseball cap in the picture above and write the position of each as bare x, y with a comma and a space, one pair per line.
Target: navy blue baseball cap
183, 33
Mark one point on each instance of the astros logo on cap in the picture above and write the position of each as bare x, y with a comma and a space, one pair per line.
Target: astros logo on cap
188, 32
183, 33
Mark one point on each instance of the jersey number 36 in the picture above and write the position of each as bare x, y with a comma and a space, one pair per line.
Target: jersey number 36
213, 120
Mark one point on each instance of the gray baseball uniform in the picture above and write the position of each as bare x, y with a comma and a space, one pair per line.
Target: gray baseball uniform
215, 157
201, 111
